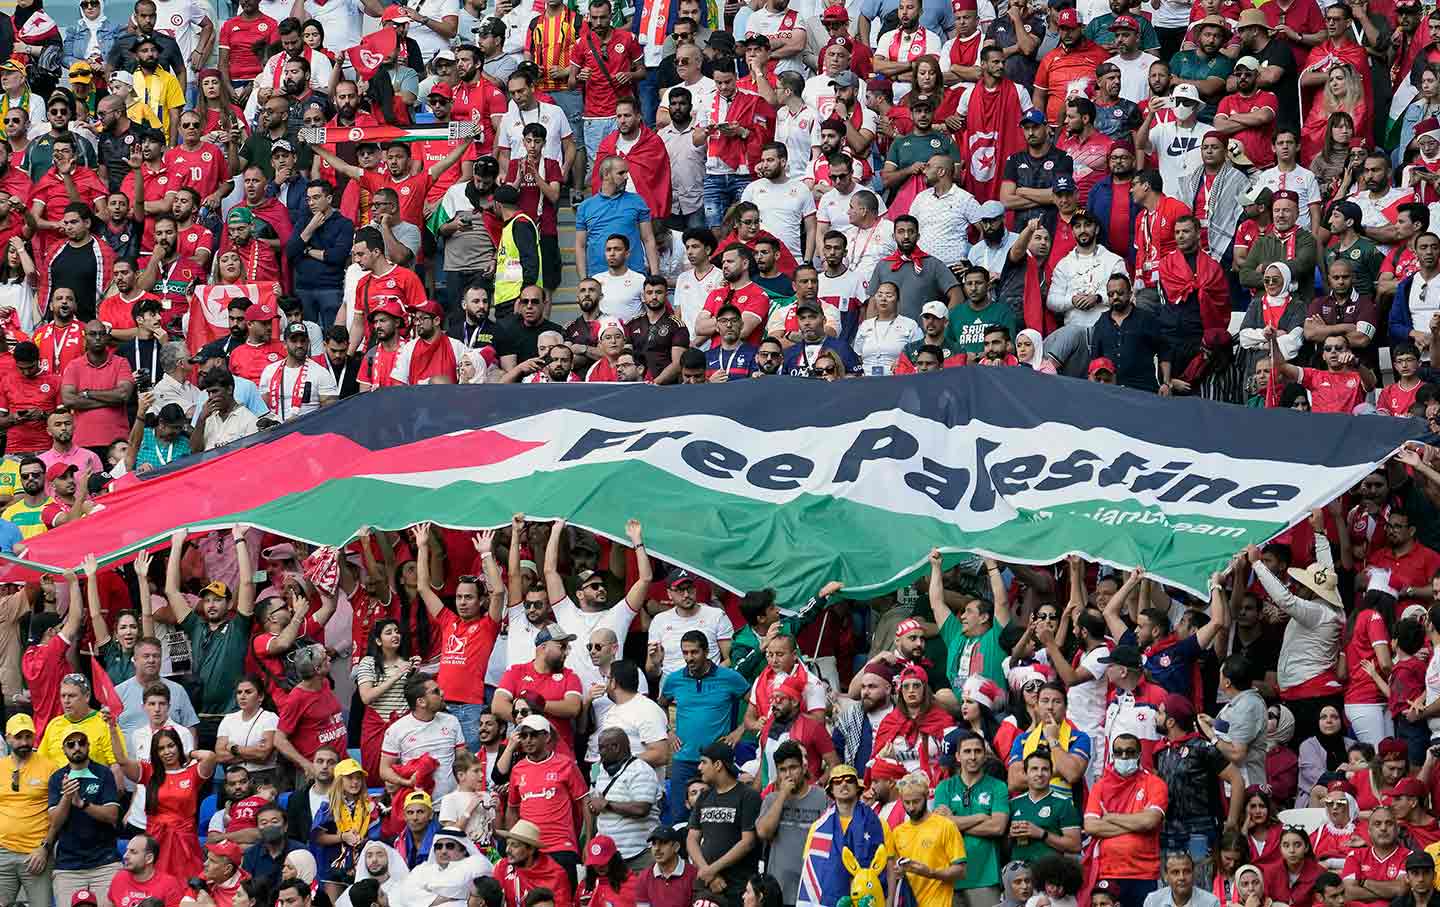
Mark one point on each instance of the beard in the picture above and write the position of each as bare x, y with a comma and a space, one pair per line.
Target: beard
295, 87
149, 65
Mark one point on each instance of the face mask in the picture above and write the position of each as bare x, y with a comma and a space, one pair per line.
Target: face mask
272, 834
1126, 767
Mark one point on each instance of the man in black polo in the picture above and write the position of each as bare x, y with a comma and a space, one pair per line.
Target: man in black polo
1131, 338
516, 334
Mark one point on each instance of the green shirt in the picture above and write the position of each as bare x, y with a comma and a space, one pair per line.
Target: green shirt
917, 149
1189, 65
1051, 812
965, 332
986, 797
118, 663
966, 655
1365, 260
218, 659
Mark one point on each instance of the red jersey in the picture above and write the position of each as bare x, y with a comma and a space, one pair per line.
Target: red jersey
312, 719
1396, 401
1256, 139
50, 189
1366, 865
42, 667
118, 312
1090, 155
126, 891
400, 284
466, 643
1414, 568
367, 612
18, 393
244, 40
212, 120
1369, 631
1132, 856
531, 201
257, 260
59, 346
377, 368
434, 151
749, 298
176, 281
158, 181
619, 53
193, 238
480, 103
547, 793
523, 678
248, 360
202, 169
1332, 392
240, 815
543, 872
17, 182
413, 191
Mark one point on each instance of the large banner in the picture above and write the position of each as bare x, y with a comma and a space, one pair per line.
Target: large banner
778, 482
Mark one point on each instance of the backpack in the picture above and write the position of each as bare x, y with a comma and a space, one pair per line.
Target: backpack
45, 71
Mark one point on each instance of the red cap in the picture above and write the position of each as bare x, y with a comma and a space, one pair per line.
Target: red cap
429, 307
908, 625
392, 13
443, 89
227, 850
885, 770
836, 13
260, 311
1392, 746
57, 470
1408, 787
792, 686
1339, 786
1125, 22
1068, 18
1101, 363
839, 41
83, 896
964, 6
389, 305
599, 851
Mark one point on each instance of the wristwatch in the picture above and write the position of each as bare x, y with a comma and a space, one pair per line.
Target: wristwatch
234, 750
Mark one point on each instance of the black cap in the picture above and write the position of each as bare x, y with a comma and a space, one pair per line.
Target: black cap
142, 41
808, 305
507, 195
486, 163
297, 328
1419, 861
721, 752
671, 833
1124, 656
728, 307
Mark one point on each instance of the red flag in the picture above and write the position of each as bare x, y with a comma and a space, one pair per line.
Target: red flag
105, 692
649, 169
208, 319
373, 51
992, 133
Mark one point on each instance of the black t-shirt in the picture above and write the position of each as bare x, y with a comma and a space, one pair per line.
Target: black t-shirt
124, 240
1019, 68
721, 819
143, 356
1029, 172
114, 154
1287, 90
514, 337
75, 268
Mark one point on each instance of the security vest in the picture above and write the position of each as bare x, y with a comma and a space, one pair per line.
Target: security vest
509, 274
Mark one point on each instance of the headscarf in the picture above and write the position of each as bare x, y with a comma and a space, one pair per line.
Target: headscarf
1039, 355
1013, 870
1284, 729
1249, 867
303, 862
1336, 747
1289, 279
397, 868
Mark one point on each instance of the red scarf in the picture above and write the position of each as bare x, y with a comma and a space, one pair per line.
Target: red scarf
743, 110
917, 732
916, 48
1287, 238
897, 259
1272, 313
966, 51
429, 358
1207, 282
277, 389
992, 133
765, 683
1037, 315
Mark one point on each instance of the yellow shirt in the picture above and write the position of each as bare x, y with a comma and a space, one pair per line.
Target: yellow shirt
933, 841
10, 477
94, 726
156, 96
24, 814
26, 518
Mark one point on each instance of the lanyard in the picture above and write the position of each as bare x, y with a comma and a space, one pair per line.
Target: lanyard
154, 352
726, 363
168, 456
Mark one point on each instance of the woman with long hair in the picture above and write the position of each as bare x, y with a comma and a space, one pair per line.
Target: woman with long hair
342, 827
219, 112
1231, 852
1026, 682
116, 652
175, 782
1337, 165
1292, 880
762, 890
913, 733
928, 80
313, 34
380, 679
17, 286
1427, 104
1262, 828
1327, 751
978, 700
607, 879
1343, 92
1367, 638
827, 366
413, 615
246, 736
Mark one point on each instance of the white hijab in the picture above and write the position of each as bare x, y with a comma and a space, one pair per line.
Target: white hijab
1039, 355
430, 880
1289, 280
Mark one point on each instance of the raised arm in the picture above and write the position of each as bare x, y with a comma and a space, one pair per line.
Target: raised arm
998, 592
179, 607
92, 594
554, 583
937, 589
75, 614
635, 598
245, 594
451, 158
516, 584
485, 547
341, 166
433, 604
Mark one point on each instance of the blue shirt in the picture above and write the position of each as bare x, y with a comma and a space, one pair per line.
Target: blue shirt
937, 17
132, 696
9, 536
798, 363
705, 707
601, 216
84, 842
739, 362
1172, 668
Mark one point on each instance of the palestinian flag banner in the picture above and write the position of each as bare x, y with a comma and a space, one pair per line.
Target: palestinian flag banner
439, 132
778, 482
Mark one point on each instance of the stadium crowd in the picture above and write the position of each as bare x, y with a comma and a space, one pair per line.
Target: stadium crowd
216, 221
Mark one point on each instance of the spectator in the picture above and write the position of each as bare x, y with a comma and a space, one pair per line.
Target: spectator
263, 860
623, 800
318, 252
1180, 889
425, 730
527, 871
722, 827
1125, 811
24, 838
929, 851
547, 789
84, 813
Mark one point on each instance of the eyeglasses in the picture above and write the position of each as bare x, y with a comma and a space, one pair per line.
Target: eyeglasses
447, 845
1047, 615
1125, 754
189, 125
845, 779
767, 354
823, 370
1032, 686
750, 221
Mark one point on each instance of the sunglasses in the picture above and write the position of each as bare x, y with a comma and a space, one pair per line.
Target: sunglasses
447, 845
825, 370
593, 586
595, 646
1125, 754
468, 578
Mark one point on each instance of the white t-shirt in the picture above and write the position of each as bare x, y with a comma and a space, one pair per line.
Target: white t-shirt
243, 733
431, 43
322, 384
580, 624
641, 719
865, 247
794, 131
815, 696
819, 95
601, 705
1087, 700
520, 636
409, 737
880, 343
691, 292
278, 9
783, 209
1134, 75
557, 129
844, 291
401, 371
833, 209
180, 19
620, 294
901, 48
1432, 688
702, 93
342, 21
767, 22
1300, 181
1179, 150
668, 626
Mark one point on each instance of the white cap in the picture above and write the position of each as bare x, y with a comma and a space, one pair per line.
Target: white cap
1185, 92
535, 723
124, 77
935, 308
446, 54
991, 210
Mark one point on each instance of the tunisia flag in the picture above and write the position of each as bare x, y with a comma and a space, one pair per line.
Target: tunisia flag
208, 318
992, 134
649, 169
105, 692
373, 51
